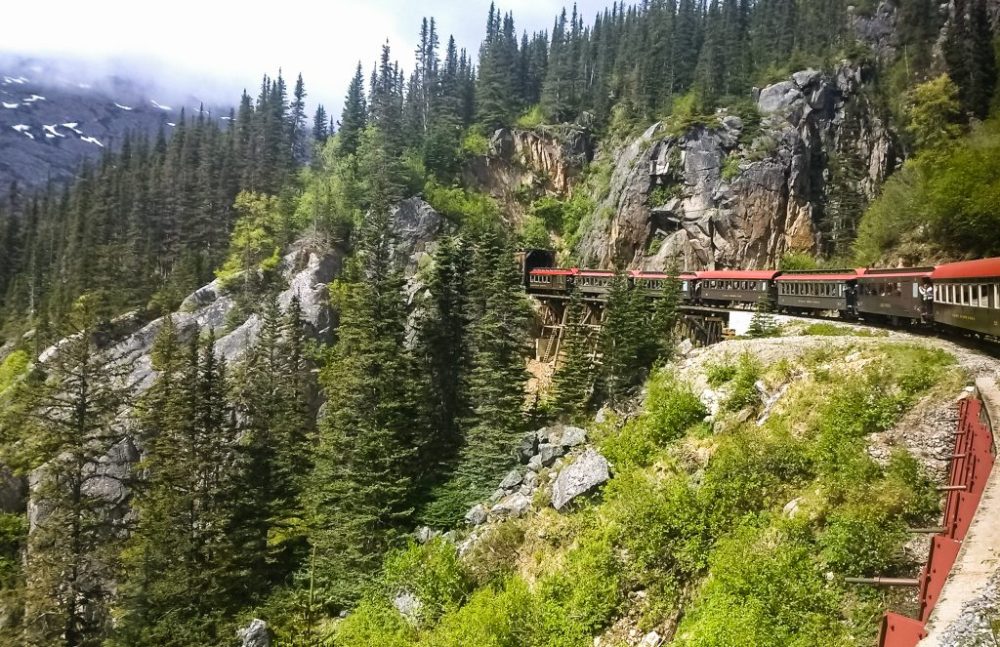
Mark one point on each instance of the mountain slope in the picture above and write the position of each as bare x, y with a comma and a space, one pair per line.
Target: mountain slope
49, 122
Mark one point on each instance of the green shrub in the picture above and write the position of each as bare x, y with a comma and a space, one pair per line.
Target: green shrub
587, 589
500, 616
690, 111
375, 622
12, 367
765, 590
432, 573
752, 470
862, 539
663, 193
462, 205
475, 143
719, 374
531, 119
907, 490
633, 445
731, 168
671, 408
492, 558
659, 524
743, 393
534, 234
797, 261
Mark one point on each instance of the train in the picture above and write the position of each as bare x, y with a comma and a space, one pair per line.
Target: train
961, 297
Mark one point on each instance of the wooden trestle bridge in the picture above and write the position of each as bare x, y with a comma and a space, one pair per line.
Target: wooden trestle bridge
703, 326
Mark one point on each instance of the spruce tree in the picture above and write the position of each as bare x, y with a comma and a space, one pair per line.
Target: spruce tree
573, 382
71, 421
498, 375
354, 117
184, 577
361, 490
666, 316
623, 341
442, 350
321, 125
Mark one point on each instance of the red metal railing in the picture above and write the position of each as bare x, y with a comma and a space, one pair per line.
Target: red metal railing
971, 463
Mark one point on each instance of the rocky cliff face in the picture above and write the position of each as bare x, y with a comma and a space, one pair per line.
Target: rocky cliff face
531, 163
735, 194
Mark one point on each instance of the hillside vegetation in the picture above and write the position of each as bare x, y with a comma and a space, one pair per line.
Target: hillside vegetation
728, 532
240, 367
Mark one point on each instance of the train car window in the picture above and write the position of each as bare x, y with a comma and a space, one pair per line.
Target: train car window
916, 290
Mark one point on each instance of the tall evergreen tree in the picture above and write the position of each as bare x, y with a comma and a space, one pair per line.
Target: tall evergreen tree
72, 408
497, 378
623, 342
321, 125
573, 382
354, 117
189, 537
362, 484
443, 350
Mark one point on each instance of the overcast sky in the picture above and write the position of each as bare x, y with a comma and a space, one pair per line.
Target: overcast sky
222, 46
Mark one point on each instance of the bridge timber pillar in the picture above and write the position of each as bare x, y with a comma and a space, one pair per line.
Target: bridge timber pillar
702, 326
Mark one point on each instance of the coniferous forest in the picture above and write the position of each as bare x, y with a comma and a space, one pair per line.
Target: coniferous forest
286, 481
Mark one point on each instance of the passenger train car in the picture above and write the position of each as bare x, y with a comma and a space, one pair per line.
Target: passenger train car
963, 296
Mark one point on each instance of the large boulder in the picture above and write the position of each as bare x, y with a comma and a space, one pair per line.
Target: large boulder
256, 634
476, 516
511, 507
408, 605
780, 97
416, 225
583, 475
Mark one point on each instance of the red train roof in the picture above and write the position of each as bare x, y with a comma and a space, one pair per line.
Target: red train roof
554, 271
837, 276
981, 269
662, 275
595, 273
902, 273
737, 275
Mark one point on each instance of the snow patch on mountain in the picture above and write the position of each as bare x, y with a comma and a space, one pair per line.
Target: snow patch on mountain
19, 80
92, 140
33, 98
50, 131
126, 108
24, 129
10, 106
72, 125
158, 105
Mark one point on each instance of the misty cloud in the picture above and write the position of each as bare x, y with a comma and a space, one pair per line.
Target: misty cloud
213, 50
